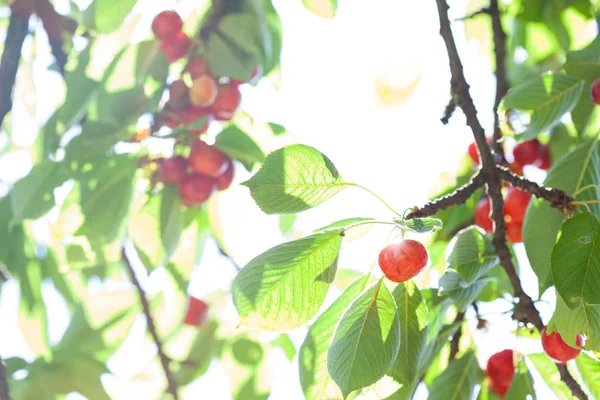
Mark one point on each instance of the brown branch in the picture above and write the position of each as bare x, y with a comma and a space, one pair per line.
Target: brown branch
9, 64
53, 25
484, 10
4, 389
567, 378
448, 111
164, 359
459, 196
502, 86
455, 341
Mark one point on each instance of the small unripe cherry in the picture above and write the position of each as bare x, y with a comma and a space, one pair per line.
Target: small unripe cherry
196, 313
166, 24
173, 170
473, 153
196, 189
544, 162
203, 91
228, 100
515, 204
596, 92
501, 370
514, 231
526, 153
208, 160
224, 180
197, 67
176, 47
557, 349
482, 215
401, 261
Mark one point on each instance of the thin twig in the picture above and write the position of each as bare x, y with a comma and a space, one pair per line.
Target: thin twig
502, 86
164, 359
53, 24
455, 341
4, 389
482, 11
567, 378
228, 257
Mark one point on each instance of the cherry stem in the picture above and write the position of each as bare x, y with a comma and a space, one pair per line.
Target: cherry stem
377, 197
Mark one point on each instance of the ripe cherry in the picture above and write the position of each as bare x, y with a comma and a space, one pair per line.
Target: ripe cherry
224, 180
473, 153
228, 100
515, 204
515, 168
176, 47
196, 313
208, 160
514, 231
557, 349
196, 189
189, 115
501, 370
178, 94
482, 215
596, 92
197, 67
403, 260
526, 153
166, 25
203, 91
172, 170
544, 161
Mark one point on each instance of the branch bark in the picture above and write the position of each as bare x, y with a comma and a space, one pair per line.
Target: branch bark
4, 389
455, 341
502, 86
53, 24
164, 359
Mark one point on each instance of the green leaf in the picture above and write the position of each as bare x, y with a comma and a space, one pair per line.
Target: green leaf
284, 342
226, 59
549, 373
315, 380
471, 254
121, 107
548, 97
420, 225
322, 8
414, 320
286, 223
199, 355
277, 129
366, 341
171, 220
33, 196
239, 146
572, 172
343, 224
576, 260
584, 319
293, 179
458, 380
284, 287
106, 196
589, 369
96, 138
521, 387
106, 16
461, 292
584, 63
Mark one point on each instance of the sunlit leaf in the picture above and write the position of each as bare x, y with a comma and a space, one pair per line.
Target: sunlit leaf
458, 381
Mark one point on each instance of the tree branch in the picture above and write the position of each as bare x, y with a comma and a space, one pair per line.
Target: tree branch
164, 359
455, 341
53, 24
502, 85
4, 389
567, 378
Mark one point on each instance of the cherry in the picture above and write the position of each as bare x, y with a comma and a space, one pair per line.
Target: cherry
176, 47
196, 313
191, 114
172, 170
501, 370
473, 153
544, 161
196, 189
482, 215
166, 25
514, 231
227, 102
197, 67
178, 93
515, 204
403, 260
208, 160
596, 92
224, 180
526, 153
203, 91
515, 168
557, 349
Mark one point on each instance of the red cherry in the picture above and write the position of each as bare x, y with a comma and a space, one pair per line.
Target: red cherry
403, 260
178, 93
596, 92
501, 370
556, 348
196, 189
196, 313
544, 161
166, 25
473, 153
208, 160
191, 114
515, 204
526, 153
515, 168
176, 47
482, 215
224, 180
223, 116
203, 91
198, 66
514, 231
228, 100
172, 170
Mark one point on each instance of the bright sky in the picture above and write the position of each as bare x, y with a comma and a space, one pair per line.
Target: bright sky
327, 100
